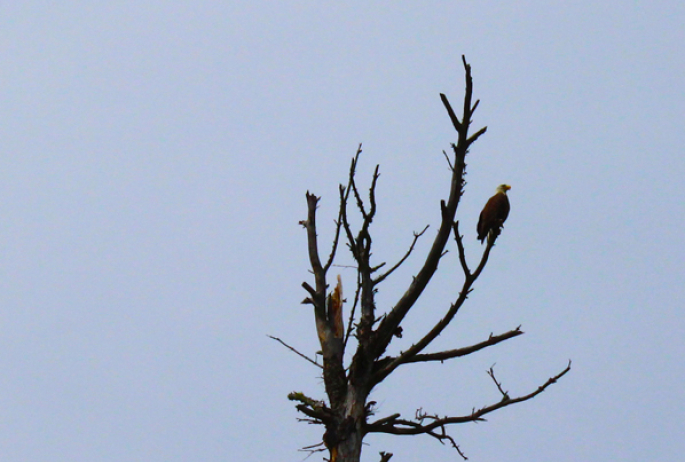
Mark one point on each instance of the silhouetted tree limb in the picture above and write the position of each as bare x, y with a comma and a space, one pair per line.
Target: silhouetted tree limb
396, 426
462, 253
295, 351
382, 277
458, 352
313, 449
385, 456
353, 311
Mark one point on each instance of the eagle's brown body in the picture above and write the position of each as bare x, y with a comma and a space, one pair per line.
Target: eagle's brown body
494, 213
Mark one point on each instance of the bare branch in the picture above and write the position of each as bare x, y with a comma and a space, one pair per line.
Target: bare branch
386, 420
441, 436
344, 195
491, 373
408, 427
450, 112
449, 162
476, 135
310, 225
320, 447
385, 456
336, 239
377, 267
466, 119
484, 259
309, 289
458, 352
350, 323
295, 351
462, 253
372, 193
360, 202
318, 295
380, 278
398, 426
326, 327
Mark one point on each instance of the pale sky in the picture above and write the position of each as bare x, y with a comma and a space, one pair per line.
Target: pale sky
155, 159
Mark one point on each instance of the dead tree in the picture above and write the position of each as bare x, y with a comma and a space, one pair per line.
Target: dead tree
347, 413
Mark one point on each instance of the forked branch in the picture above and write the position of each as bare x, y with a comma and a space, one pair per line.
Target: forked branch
397, 426
380, 278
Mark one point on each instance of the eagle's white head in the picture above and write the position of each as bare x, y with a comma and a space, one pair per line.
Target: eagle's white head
503, 188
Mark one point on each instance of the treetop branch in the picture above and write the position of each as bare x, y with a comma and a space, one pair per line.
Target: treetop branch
393, 319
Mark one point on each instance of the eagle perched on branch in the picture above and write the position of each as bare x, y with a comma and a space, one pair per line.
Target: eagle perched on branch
494, 213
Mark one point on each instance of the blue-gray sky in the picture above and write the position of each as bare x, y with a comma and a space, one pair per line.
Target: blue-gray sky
155, 157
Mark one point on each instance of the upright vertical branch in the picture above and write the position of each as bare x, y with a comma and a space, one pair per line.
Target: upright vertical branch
392, 321
331, 344
319, 293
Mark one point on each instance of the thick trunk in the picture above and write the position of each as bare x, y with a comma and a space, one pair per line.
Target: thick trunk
344, 440
349, 450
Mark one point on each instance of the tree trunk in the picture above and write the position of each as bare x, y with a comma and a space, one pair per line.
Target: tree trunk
345, 440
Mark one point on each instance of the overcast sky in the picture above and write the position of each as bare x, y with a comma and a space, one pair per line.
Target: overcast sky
154, 161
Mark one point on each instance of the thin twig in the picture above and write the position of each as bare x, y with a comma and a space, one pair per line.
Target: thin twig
360, 202
462, 253
491, 373
380, 278
372, 193
311, 451
344, 194
449, 162
295, 351
350, 323
386, 420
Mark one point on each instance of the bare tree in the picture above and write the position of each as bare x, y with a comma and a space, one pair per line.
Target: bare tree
347, 415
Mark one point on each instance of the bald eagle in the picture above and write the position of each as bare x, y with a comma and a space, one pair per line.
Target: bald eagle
494, 213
